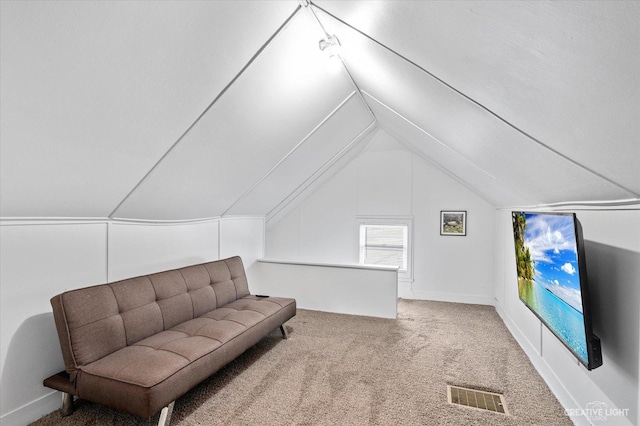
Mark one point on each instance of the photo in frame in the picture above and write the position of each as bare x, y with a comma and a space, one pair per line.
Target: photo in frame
453, 222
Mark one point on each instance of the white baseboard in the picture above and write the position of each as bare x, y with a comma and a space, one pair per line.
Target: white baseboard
32, 411
441, 296
559, 390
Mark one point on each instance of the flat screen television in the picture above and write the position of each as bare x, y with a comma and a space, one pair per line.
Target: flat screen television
552, 279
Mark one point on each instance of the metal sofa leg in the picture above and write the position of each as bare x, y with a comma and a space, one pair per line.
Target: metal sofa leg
283, 330
165, 415
67, 404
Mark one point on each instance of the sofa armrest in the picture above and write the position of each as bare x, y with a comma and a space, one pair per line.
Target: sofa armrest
61, 382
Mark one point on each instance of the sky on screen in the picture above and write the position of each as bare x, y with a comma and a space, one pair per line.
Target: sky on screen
552, 243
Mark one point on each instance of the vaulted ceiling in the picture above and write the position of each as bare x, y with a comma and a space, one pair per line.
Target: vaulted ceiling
185, 110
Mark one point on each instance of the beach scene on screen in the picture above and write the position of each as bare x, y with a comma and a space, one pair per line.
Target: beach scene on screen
548, 276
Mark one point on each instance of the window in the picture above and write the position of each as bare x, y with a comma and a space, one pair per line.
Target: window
386, 241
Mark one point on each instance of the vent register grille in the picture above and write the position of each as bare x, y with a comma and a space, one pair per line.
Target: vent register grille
481, 400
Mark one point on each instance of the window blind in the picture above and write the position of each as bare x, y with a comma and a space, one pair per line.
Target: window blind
384, 245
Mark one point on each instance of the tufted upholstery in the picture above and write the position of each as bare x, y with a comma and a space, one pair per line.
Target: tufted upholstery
140, 343
158, 355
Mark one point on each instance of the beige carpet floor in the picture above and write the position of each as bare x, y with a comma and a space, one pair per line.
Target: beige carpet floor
350, 370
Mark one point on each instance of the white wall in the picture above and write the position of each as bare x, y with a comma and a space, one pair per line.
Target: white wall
37, 262
344, 289
322, 229
40, 259
612, 245
244, 237
387, 179
144, 248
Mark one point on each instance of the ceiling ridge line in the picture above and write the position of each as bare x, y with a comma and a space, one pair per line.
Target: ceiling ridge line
298, 145
321, 171
309, 5
358, 90
485, 108
215, 100
434, 163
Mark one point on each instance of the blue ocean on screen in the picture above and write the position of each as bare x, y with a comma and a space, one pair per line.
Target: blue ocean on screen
567, 323
554, 293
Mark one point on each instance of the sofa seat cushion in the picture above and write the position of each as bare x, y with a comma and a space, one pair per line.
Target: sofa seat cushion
154, 359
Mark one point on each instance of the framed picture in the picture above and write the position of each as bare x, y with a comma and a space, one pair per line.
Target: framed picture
453, 222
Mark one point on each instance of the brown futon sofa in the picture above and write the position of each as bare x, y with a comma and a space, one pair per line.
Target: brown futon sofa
139, 344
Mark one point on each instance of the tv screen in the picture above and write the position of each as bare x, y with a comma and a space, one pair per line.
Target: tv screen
552, 279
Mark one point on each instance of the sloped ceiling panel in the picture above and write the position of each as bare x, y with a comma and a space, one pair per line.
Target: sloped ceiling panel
322, 176
261, 118
312, 155
471, 131
97, 97
563, 72
94, 93
446, 159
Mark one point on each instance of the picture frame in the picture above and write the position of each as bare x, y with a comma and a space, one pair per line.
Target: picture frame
453, 222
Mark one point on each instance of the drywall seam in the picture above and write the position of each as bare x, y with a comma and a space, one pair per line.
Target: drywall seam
108, 250
219, 225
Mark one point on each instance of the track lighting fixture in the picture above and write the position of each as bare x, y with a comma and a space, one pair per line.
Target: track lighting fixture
330, 45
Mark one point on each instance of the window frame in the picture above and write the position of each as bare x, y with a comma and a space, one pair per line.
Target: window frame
407, 221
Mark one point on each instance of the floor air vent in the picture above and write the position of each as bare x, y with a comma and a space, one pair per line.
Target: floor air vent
481, 400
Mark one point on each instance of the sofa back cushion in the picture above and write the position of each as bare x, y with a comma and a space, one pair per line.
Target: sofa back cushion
93, 322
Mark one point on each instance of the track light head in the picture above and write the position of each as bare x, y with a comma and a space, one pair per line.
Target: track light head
330, 45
